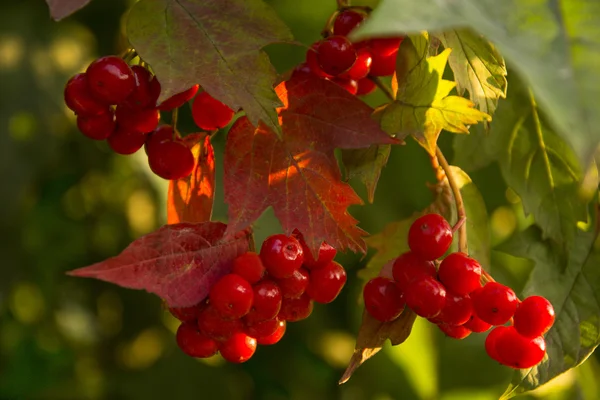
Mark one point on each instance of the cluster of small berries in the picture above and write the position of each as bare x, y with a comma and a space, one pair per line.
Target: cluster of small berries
350, 64
452, 297
118, 102
252, 304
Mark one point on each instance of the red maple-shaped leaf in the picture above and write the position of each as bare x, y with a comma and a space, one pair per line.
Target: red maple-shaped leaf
190, 199
298, 175
177, 262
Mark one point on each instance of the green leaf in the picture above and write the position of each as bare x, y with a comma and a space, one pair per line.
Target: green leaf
571, 282
216, 44
366, 165
555, 45
538, 165
475, 150
423, 105
478, 68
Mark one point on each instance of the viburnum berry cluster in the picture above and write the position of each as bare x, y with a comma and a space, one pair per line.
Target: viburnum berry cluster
449, 293
351, 65
117, 102
252, 304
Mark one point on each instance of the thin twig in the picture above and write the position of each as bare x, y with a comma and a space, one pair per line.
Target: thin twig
384, 88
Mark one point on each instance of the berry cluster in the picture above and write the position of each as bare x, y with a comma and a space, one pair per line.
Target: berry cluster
252, 304
118, 102
449, 294
350, 64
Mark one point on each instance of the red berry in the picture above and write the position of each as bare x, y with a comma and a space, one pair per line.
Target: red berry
475, 324
231, 296
293, 310
79, 98
281, 255
144, 121
517, 351
349, 84
326, 253
238, 348
209, 113
430, 236
426, 297
457, 309
302, 68
382, 65
262, 328
193, 343
110, 79
383, 299
361, 67
163, 133
460, 273
142, 95
267, 301
365, 87
346, 21
187, 314
98, 127
249, 266
534, 316
171, 159
409, 267
385, 46
336, 54
492, 339
326, 283
126, 141
454, 331
177, 100
295, 285
275, 337
495, 303
213, 325
312, 61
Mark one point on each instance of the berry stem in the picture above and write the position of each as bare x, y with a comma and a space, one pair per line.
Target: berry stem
174, 118
251, 245
459, 224
384, 88
440, 175
129, 55
460, 206
343, 4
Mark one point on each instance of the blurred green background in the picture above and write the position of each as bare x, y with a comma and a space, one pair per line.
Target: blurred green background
67, 202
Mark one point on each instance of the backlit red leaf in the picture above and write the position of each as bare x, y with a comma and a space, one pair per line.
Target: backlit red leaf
298, 175
179, 262
191, 199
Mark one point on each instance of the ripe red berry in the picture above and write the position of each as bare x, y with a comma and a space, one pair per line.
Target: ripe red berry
326, 283
476, 325
409, 267
281, 255
97, 127
346, 21
460, 273
171, 159
492, 339
457, 309
517, 351
193, 343
238, 348
382, 65
79, 98
325, 256
187, 314
336, 54
262, 328
534, 316
494, 303
365, 87
302, 68
275, 336
361, 67
110, 79
267, 301
213, 325
349, 84
177, 100
144, 121
231, 296
142, 95
164, 133
293, 310
426, 297
454, 331
249, 266
430, 236
313, 62
126, 141
295, 285
383, 299
209, 113
385, 46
